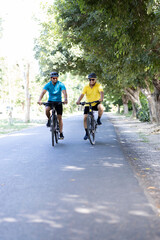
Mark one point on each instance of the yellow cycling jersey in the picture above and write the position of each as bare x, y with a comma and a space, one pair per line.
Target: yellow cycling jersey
92, 94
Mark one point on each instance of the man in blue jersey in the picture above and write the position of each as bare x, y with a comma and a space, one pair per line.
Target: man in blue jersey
55, 89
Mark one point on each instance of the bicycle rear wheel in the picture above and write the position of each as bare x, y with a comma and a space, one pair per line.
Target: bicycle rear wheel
91, 129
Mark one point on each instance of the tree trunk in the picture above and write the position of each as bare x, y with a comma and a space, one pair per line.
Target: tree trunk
119, 109
151, 102
134, 111
156, 83
25, 69
133, 95
27, 95
125, 100
10, 117
152, 109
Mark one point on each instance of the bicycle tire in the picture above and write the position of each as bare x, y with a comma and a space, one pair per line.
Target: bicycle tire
91, 128
55, 128
52, 130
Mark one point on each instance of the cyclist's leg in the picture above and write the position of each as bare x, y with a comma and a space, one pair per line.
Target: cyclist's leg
59, 109
100, 110
85, 126
85, 121
48, 109
60, 126
86, 111
60, 123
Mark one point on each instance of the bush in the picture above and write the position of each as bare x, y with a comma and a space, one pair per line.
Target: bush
143, 113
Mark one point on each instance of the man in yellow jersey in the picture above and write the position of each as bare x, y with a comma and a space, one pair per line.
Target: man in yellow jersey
93, 92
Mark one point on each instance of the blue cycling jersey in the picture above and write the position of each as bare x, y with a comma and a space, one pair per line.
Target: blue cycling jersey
55, 91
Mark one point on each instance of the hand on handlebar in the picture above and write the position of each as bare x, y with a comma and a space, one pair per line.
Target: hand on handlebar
39, 102
65, 102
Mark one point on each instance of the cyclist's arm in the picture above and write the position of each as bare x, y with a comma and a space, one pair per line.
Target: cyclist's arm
80, 98
65, 96
41, 96
102, 96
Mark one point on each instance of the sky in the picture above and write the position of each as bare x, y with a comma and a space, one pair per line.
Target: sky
19, 28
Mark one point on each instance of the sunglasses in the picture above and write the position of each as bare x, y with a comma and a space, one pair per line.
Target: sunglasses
91, 79
54, 78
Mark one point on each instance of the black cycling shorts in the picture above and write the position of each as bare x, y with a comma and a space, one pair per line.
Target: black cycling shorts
58, 107
95, 108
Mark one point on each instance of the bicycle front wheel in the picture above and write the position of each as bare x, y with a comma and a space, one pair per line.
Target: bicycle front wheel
91, 129
56, 129
52, 130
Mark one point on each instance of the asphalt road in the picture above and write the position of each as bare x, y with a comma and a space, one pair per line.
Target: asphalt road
73, 191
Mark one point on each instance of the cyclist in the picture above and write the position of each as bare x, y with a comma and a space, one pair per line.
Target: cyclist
93, 92
55, 89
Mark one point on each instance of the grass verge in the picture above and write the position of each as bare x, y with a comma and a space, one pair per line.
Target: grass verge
16, 125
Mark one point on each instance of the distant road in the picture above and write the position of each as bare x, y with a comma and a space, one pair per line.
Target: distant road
73, 191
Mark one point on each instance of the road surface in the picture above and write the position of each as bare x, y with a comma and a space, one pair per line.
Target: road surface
73, 191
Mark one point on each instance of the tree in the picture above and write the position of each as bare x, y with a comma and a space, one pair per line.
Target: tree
140, 23
119, 40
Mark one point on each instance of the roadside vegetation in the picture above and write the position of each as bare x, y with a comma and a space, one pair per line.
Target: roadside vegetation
16, 125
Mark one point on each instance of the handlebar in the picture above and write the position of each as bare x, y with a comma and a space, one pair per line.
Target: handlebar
45, 103
52, 103
83, 103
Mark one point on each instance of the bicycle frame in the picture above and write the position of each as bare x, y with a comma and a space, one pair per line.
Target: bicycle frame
54, 128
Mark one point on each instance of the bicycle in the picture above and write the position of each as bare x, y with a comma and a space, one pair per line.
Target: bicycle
91, 122
54, 127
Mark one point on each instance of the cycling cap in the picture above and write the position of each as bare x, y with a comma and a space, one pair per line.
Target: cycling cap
54, 74
92, 75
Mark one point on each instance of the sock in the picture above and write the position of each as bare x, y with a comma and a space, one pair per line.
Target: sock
98, 118
86, 131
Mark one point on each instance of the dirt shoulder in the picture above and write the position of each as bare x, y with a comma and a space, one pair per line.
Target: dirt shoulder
141, 145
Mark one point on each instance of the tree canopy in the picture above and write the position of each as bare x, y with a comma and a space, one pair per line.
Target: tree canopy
119, 40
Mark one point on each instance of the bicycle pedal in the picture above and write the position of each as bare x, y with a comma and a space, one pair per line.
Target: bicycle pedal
61, 138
